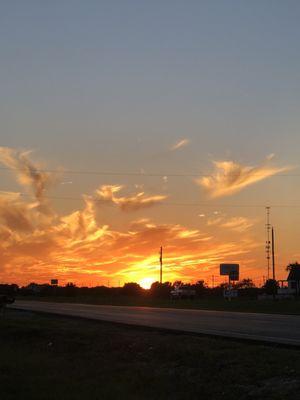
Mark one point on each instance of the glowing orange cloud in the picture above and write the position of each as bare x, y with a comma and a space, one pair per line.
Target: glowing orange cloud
29, 175
230, 177
77, 247
106, 195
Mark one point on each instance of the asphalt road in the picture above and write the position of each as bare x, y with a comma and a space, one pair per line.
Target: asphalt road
284, 329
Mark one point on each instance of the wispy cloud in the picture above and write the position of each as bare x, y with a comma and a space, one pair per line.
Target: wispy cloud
27, 172
179, 144
230, 177
235, 224
270, 156
107, 195
14, 214
29, 175
238, 224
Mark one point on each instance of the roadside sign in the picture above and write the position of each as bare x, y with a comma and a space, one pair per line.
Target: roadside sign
234, 275
54, 282
231, 270
230, 293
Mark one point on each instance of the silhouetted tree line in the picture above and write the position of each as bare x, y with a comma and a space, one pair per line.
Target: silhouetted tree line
9, 290
245, 287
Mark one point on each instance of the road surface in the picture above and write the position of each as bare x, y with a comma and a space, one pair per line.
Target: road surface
284, 329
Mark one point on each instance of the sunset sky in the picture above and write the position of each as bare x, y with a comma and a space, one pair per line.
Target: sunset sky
130, 125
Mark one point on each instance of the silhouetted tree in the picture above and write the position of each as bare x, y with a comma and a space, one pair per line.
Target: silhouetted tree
292, 266
70, 289
132, 289
161, 290
8, 289
178, 283
200, 287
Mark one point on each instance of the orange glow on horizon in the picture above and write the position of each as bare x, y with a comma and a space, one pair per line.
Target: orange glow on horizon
38, 243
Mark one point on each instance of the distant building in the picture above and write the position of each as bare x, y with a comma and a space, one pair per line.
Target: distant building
291, 286
294, 279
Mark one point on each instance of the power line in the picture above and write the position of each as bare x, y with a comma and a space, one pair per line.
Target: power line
140, 174
216, 205
105, 173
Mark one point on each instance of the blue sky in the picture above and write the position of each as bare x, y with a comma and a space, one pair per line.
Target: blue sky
221, 72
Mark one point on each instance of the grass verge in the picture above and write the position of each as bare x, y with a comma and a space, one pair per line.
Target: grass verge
50, 357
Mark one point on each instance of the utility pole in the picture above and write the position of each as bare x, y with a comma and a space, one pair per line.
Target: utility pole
268, 242
161, 264
273, 254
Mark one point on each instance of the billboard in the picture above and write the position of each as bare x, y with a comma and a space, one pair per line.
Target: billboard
234, 275
54, 281
231, 270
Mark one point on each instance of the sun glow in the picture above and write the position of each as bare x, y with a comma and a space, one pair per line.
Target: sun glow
146, 282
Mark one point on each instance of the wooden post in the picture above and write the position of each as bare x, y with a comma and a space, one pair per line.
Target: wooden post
161, 265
